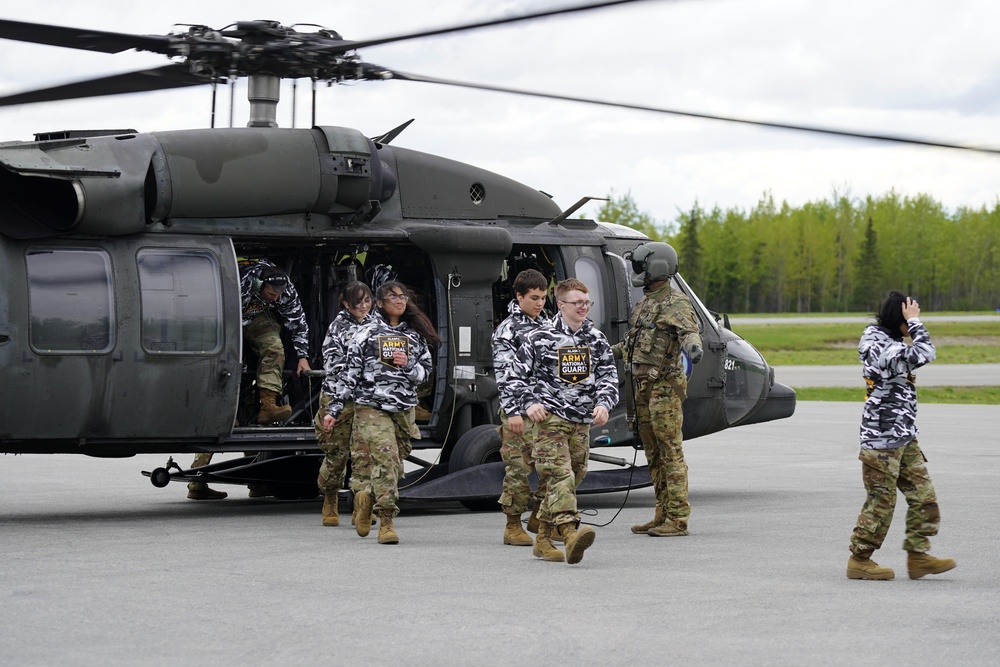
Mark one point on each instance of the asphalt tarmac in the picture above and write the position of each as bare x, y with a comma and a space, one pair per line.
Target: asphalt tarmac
101, 568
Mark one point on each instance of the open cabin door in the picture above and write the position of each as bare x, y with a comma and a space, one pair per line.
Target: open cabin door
132, 338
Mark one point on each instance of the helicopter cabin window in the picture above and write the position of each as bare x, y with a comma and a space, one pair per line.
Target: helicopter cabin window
181, 301
589, 272
71, 302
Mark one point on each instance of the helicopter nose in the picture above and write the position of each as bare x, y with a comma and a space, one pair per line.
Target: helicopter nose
751, 395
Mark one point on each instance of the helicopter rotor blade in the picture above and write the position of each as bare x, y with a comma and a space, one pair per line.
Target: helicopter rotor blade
404, 76
176, 75
84, 39
347, 45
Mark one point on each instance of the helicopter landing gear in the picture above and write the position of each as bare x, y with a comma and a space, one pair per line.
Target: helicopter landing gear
160, 477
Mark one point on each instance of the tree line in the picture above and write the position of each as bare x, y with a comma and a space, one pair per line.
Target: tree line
835, 255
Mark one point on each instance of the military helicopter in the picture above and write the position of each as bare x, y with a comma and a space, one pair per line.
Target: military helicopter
120, 254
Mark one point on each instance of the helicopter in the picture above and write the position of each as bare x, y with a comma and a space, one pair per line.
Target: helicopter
121, 254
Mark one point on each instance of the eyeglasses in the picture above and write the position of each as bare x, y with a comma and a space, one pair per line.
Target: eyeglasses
397, 298
579, 304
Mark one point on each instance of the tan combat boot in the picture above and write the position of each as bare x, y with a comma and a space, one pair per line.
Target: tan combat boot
576, 540
544, 548
666, 528
270, 411
201, 491
533, 519
386, 535
861, 566
354, 517
331, 514
363, 519
643, 528
920, 564
514, 535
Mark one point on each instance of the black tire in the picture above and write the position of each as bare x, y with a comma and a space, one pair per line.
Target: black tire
160, 477
477, 446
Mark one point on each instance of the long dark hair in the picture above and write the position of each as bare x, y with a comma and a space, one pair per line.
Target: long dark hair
412, 315
890, 314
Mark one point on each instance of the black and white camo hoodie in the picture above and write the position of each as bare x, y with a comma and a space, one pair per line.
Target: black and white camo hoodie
889, 418
338, 336
568, 372
288, 306
506, 339
377, 383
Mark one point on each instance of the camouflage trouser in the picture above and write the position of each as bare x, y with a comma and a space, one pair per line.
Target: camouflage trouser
380, 441
264, 336
560, 453
515, 450
884, 471
336, 444
661, 418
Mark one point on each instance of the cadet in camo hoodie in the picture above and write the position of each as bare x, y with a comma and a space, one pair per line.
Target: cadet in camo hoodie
517, 433
566, 377
386, 360
890, 455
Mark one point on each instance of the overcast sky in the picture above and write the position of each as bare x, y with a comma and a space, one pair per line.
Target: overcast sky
913, 67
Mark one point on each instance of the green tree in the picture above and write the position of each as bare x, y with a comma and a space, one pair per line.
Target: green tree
624, 211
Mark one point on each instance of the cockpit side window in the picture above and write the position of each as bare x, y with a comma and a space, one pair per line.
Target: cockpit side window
181, 301
589, 271
71, 300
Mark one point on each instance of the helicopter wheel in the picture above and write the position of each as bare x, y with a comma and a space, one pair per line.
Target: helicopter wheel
479, 445
160, 477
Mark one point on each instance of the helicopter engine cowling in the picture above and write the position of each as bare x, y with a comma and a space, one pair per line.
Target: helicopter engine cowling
121, 184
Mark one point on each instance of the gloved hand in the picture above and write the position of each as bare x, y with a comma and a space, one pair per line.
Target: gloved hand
696, 353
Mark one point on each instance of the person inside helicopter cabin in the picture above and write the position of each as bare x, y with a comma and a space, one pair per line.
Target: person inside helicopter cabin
663, 328
517, 434
355, 311
566, 376
890, 456
269, 301
386, 360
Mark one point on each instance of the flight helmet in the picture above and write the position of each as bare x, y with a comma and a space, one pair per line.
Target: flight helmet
653, 261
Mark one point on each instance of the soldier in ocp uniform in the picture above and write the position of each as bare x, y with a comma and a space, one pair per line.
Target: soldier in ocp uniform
662, 326
565, 375
890, 456
527, 313
386, 360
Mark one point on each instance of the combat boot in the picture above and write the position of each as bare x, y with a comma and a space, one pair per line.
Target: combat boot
920, 564
861, 566
258, 491
331, 514
576, 540
201, 491
270, 411
363, 519
666, 528
354, 517
533, 520
544, 548
643, 528
386, 535
514, 535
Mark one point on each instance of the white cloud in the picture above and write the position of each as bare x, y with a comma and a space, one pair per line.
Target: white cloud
922, 68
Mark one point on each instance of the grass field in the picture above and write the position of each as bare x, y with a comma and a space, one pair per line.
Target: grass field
969, 395
819, 344
837, 344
